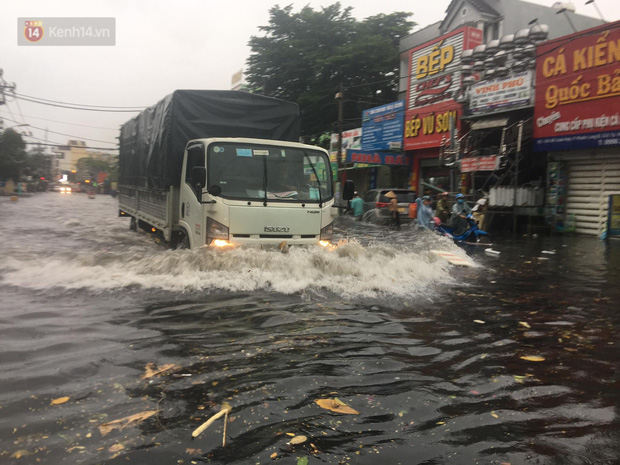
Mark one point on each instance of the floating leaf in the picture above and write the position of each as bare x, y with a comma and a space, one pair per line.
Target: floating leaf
494, 415
336, 405
20, 453
523, 323
123, 423
153, 370
60, 400
116, 448
298, 440
479, 322
533, 358
290, 434
302, 461
274, 455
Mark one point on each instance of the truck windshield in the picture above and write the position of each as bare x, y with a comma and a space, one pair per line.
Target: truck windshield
268, 172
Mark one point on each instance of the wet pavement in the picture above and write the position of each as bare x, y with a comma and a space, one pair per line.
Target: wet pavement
113, 349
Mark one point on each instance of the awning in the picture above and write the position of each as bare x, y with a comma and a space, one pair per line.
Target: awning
489, 123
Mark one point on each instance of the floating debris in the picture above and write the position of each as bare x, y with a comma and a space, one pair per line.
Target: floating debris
336, 405
225, 410
123, 423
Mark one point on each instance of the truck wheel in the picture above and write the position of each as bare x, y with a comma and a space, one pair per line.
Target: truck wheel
180, 241
133, 224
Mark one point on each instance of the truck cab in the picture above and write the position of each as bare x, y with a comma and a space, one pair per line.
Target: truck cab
236, 191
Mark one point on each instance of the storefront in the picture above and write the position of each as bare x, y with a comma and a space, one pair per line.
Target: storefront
432, 116
591, 176
577, 121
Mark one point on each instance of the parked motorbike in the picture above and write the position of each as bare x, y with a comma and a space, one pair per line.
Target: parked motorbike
472, 235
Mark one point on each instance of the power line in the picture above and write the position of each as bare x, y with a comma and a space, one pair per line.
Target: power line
74, 107
77, 104
66, 122
64, 145
63, 134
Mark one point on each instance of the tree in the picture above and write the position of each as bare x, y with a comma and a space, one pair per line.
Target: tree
304, 57
13, 156
89, 167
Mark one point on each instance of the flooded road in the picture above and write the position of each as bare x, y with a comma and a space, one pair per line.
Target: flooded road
114, 349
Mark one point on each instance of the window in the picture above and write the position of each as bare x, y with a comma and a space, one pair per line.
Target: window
269, 172
195, 157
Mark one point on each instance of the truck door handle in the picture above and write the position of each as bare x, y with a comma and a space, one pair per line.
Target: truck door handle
183, 210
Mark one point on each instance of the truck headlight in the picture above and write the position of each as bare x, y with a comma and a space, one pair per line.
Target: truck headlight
216, 230
327, 232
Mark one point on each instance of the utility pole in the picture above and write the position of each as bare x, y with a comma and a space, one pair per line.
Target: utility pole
340, 98
515, 182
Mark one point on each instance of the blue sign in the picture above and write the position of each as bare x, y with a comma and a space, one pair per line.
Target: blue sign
383, 127
578, 141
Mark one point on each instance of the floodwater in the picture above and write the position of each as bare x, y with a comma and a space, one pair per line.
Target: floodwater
113, 349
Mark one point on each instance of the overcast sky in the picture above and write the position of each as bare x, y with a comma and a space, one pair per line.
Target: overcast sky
160, 46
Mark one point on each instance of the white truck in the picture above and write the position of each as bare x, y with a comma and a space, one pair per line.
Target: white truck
221, 168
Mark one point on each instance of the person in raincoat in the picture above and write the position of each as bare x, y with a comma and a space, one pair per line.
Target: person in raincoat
425, 212
442, 211
460, 211
357, 204
394, 209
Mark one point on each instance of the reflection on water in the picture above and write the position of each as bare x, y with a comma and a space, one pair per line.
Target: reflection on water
438, 361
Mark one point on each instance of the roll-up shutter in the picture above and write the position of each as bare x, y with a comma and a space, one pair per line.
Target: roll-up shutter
590, 182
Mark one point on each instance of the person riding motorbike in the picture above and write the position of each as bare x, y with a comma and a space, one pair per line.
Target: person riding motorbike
442, 211
460, 211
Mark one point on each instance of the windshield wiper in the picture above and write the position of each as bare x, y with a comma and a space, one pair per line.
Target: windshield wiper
316, 175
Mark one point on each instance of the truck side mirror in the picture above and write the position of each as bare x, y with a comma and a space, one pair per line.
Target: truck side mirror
348, 190
199, 177
214, 190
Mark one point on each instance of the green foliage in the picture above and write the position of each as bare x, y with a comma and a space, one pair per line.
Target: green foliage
13, 156
304, 57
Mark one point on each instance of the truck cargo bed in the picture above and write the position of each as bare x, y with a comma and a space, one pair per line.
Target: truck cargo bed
153, 206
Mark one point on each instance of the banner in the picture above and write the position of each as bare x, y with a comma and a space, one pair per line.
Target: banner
472, 164
382, 127
487, 96
351, 139
577, 103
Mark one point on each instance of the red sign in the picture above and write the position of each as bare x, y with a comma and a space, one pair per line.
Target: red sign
479, 164
434, 78
578, 90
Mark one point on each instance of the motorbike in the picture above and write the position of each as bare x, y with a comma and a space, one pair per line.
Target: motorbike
472, 235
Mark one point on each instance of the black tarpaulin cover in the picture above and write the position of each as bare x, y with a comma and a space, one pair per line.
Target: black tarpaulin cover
152, 143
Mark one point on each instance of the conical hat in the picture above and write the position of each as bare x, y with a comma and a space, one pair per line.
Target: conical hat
391, 195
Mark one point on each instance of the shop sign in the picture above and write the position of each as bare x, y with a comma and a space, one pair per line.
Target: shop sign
577, 103
382, 127
351, 139
434, 78
370, 157
429, 129
493, 94
469, 165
